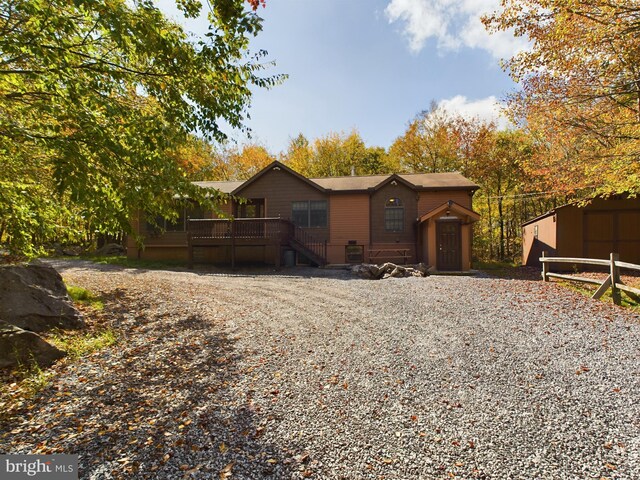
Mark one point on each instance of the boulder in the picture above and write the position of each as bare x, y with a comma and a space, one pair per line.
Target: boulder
20, 347
72, 251
386, 270
34, 297
111, 249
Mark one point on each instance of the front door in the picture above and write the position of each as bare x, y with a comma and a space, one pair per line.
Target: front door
449, 246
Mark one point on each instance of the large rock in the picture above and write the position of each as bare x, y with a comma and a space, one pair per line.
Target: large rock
386, 270
111, 249
34, 297
20, 347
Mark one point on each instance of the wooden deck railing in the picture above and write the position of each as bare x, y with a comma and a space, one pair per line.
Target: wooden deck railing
266, 228
273, 230
612, 281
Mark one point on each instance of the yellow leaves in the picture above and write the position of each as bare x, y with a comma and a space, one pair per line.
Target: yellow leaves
223, 448
579, 94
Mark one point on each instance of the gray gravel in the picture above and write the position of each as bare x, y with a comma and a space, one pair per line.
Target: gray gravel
315, 374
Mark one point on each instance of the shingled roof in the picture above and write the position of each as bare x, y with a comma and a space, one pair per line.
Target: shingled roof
224, 187
419, 181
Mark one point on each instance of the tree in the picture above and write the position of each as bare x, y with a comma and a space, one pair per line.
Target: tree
430, 143
580, 88
299, 154
336, 154
496, 163
246, 162
95, 95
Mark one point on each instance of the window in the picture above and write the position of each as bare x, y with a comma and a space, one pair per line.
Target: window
394, 215
309, 213
318, 213
177, 225
161, 224
300, 213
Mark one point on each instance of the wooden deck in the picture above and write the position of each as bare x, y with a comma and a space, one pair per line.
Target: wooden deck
203, 232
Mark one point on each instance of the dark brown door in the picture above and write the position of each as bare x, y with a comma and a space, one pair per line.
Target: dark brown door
449, 246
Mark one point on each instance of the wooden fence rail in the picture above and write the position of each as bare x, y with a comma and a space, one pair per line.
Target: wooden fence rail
612, 281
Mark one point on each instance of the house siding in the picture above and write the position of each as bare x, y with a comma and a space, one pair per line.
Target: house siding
349, 223
532, 247
429, 200
280, 188
409, 199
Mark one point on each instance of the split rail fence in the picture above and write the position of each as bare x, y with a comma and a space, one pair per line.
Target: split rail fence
612, 281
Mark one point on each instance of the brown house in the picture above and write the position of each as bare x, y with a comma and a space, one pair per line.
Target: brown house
291, 219
593, 230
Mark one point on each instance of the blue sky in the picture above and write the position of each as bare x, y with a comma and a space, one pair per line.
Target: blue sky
372, 65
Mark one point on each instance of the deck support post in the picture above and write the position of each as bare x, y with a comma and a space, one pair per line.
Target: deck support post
545, 268
615, 278
190, 250
278, 255
233, 245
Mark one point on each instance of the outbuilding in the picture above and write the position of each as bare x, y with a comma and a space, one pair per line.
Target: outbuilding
590, 229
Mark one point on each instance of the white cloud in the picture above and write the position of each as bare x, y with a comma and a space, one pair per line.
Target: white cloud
487, 109
453, 24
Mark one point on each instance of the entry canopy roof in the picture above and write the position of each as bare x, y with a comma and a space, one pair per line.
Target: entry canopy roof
451, 207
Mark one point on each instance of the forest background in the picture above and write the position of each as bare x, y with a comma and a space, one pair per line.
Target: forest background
109, 106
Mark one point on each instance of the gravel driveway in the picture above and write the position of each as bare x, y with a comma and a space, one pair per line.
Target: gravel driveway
315, 374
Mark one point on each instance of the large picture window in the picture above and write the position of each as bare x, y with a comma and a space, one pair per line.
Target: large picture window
394, 215
179, 224
311, 213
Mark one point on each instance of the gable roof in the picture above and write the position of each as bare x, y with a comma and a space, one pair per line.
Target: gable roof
364, 183
469, 215
440, 181
418, 181
276, 165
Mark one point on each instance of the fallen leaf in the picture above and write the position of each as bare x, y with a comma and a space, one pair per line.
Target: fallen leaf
226, 471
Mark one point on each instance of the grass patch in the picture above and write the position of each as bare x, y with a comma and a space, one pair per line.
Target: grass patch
83, 344
134, 263
588, 290
501, 269
26, 381
85, 297
20, 385
490, 265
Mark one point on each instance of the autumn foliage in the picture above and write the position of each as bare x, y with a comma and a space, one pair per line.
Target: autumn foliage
580, 93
